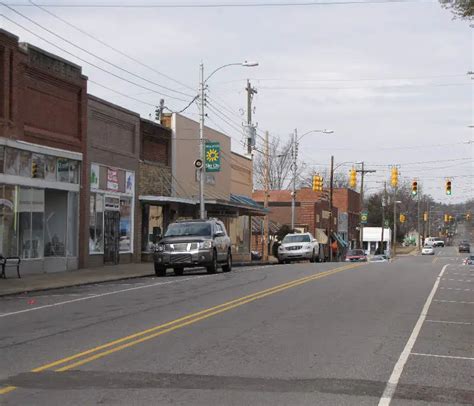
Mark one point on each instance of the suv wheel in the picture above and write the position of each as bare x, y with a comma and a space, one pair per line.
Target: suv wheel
212, 268
228, 265
178, 271
160, 270
313, 257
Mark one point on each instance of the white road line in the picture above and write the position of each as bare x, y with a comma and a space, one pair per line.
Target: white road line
392, 383
101, 295
452, 301
457, 280
465, 290
449, 322
442, 356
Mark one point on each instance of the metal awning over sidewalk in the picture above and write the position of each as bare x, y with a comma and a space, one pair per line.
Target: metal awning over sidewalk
340, 240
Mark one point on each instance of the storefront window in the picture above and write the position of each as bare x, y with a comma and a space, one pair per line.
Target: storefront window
2, 158
37, 166
239, 233
50, 168
73, 172
56, 223
12, 161
8, 225
63, 170
96, 223
153, 230
125, 224
25, 163
30, 222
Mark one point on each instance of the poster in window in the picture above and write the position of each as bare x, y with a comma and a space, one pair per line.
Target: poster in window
112, 179
37, 166
25, 163
2, 157
12, 161
50, 168
94, 176
129, 182
63, 170
73, 172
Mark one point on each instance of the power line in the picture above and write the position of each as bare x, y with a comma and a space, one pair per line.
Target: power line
92, 54
221, 5
110, 46
363, 87
90, 63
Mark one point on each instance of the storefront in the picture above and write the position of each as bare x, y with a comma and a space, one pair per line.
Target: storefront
111, 214
39, 206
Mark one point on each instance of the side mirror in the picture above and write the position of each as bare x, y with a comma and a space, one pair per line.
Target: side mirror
218, 234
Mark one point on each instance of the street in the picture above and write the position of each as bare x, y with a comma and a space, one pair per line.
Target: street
299, 334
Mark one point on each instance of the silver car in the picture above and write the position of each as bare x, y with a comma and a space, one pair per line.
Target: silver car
295, 247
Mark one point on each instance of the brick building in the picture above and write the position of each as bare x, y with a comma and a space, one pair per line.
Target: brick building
43, 106
348, 203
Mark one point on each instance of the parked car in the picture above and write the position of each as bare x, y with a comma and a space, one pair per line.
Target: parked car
469, 260
297, 247
193, 243
379, 258
464, 246
356, 255
427, 250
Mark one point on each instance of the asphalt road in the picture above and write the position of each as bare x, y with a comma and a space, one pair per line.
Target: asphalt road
397, 333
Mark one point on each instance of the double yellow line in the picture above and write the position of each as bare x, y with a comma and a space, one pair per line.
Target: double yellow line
76, 360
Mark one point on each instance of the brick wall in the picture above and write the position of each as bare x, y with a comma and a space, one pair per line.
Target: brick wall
154, 179
155, 142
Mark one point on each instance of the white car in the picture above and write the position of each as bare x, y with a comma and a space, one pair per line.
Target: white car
296, 247
427, 250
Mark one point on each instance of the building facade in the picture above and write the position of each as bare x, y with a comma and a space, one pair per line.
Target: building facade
348, 203
43, 104
111, 229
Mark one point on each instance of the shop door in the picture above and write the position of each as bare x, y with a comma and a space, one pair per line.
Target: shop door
111, 237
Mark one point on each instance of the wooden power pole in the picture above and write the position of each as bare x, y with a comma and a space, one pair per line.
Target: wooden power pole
265, 199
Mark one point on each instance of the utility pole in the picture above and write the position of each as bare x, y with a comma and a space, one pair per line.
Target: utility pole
419, 225
384, 198
295, 170
394, 241
202, 91
429, 219
331, 221
265, 199
250, 127
362, 171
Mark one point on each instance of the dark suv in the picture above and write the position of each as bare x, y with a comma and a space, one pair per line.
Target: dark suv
192, 243
464, 247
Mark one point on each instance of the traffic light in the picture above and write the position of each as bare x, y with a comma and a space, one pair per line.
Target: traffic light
425, 216
468, 216
448, 188
394, 177
451, 218
34, 169
402, 218
446, 218
353, 178
317, 183
414, 188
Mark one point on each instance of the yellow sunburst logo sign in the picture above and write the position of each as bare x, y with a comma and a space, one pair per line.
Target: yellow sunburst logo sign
212, 155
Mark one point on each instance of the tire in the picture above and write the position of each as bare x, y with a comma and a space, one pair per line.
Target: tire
178, 271
313, 258
228, 265
160, 270
212, 268
281, 262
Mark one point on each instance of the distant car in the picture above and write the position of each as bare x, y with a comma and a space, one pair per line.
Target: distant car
438, 243
469, 260
379, 258
427, 250
191, 243
296, 247
464, 247
357, 255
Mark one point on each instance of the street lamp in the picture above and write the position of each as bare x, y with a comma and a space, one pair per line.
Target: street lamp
296, 141
202, 97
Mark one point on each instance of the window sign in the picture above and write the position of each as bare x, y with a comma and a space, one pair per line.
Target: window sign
94, 176
125, 224
12, 161
213, 156
50, 168
37, 166
2, 158
129, 182
63, 170
112, 179
73, 172
25, 164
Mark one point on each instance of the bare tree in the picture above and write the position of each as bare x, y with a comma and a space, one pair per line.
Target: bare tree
460, 8
280, 165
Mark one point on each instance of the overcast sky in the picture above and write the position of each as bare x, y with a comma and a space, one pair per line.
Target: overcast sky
389, 79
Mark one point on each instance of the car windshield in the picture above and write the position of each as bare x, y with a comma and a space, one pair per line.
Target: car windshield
188, 229
352, 253
296, 238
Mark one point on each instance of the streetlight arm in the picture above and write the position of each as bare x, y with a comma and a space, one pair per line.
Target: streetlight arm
315, 131
246, 64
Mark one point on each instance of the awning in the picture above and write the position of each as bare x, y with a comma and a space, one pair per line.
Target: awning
340, 240
247, 202
321, 236
166, 199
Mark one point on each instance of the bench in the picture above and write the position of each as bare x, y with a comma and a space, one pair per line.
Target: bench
9, 262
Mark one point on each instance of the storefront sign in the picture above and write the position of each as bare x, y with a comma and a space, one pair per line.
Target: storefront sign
112, 179
213, 156
94, 177
129, 182
63, 170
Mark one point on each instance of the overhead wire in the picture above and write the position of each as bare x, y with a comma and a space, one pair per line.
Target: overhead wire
94, 55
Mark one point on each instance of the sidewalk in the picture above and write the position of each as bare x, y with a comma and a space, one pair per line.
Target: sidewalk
30, 283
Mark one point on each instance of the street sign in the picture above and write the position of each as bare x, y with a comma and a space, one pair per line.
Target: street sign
364, 217
213, 156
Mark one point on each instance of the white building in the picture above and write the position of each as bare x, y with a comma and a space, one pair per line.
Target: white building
372, 237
